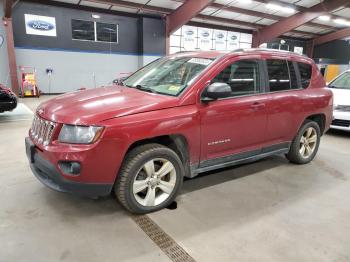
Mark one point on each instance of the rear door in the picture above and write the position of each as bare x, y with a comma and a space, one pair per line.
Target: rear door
285, 102
237, 123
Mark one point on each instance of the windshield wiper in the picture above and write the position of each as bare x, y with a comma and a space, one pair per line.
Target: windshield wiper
338, 87
145, 88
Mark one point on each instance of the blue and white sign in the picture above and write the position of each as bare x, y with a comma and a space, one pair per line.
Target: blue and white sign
40, 25
233, 39
220, 37
189, 38
205, 41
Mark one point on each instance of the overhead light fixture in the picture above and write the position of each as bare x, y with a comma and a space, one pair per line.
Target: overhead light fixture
95, 16
288, 10
341, 21
324, 18
285, 9
273, 7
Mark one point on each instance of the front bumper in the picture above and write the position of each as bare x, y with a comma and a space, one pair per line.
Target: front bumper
47, 173
8, 106
341, 120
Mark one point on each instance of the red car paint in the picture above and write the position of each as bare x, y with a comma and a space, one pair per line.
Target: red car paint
130, 115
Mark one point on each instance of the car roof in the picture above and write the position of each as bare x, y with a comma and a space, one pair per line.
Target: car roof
262, 51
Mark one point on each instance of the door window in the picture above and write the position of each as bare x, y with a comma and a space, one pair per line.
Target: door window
241, 76
279, 79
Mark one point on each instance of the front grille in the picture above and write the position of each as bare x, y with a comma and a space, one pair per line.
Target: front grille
42, 130
343, 123
342, 108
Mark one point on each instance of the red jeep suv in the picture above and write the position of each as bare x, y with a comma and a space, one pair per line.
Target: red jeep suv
179, 116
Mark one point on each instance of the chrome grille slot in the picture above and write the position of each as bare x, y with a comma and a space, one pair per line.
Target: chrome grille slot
342, 108
42, 130
339, 122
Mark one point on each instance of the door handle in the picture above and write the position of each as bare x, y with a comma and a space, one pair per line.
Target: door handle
257, 105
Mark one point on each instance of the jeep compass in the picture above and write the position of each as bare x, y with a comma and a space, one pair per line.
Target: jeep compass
179, 116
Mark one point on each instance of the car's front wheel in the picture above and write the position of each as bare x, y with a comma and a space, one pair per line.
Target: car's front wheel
305, 145
150, 178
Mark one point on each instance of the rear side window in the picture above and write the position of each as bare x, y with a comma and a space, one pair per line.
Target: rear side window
241, 76
305, 74
278, 75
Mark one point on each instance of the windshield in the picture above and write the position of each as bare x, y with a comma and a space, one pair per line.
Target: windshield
342, 82
169, 76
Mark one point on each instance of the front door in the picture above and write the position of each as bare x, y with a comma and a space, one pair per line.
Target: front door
236, 124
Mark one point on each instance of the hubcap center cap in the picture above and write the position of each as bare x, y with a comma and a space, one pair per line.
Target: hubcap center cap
153, 181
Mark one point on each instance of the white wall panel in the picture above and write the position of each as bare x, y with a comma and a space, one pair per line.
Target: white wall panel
74, 70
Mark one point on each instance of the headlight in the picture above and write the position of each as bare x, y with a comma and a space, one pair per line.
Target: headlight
79, 134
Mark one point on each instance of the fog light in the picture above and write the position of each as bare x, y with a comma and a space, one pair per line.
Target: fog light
70, 168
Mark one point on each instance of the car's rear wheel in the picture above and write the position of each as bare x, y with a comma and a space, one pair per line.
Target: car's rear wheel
305, 145
150, 178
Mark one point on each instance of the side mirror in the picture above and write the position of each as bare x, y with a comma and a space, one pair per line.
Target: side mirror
216, 91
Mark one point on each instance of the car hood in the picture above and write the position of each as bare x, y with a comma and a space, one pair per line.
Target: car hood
92, 106
341, 96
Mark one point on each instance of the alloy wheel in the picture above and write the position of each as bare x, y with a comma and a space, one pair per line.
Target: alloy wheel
154, 182
308, 142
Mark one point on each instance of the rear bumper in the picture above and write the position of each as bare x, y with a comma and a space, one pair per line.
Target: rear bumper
47, 174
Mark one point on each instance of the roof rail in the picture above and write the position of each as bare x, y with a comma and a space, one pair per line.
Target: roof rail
268, 50
188, 51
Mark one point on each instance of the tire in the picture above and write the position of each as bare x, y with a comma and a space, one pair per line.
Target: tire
299, 152
136, 173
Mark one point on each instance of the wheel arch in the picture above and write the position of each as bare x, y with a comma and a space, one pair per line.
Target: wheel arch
177, 142
320, 119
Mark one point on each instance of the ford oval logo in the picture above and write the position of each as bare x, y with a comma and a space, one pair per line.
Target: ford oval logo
233, 37
189, 32
40, 25
205, 34
220, 36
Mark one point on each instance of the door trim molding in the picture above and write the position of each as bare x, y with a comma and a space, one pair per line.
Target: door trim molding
239, 158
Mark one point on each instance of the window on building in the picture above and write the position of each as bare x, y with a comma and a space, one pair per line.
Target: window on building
241, 76
278, 75
305, 74
94, 31
83, 30
106, 32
